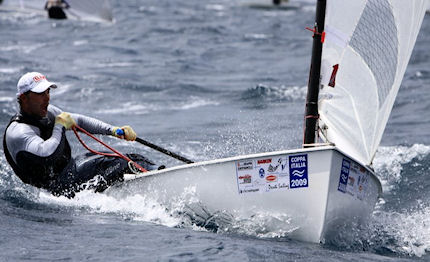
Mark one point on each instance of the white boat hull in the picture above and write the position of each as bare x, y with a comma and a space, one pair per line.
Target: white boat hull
307, 185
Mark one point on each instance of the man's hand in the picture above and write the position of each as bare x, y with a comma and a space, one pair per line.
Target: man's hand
65, 119
128, 133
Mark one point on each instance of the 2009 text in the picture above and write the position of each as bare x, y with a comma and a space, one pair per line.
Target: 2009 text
299, 182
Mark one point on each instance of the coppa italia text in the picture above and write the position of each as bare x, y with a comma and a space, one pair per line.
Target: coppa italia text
298, 162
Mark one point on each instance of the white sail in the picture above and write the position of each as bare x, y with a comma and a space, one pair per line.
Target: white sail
369, 42
96, 8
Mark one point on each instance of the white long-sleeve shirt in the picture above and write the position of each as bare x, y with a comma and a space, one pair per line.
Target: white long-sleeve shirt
24, 137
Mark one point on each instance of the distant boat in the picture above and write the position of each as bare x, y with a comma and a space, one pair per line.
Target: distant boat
274, 4
360, 53
278, 2
88, 10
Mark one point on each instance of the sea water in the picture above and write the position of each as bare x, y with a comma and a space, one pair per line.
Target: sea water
206, 79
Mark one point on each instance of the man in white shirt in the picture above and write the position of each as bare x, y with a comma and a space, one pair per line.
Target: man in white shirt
36, 146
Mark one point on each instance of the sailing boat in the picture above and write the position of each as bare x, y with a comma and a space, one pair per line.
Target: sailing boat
360, 53
93, 10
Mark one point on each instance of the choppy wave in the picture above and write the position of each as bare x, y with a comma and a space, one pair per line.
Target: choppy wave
9, 70
215, 7
22, 48
192, 58
115, 64
134, 207
141, 109
400, 231
261, 95
389, 162
400, 223
184, 211
7, 99
406, 232
257, 36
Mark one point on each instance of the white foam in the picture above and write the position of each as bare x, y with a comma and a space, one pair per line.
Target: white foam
80, 42
129, 107
264, 225
408, 231
294, 92
418, 74
9, 70
284, 92
215, 7
23, 48
258, 36
389, 160
7, 99
140, 109
115, 64
195, 102
136, 207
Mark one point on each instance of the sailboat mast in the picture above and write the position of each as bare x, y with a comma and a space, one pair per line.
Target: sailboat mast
311, 113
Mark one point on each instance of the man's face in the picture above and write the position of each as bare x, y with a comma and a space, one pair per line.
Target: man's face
35, 104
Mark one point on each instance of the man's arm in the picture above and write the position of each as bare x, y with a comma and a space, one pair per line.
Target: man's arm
96, 126
92, 125
23, 137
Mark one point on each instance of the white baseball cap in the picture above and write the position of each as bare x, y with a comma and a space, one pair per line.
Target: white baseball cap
34, 82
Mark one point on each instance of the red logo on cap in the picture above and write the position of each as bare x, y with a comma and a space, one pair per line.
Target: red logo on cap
39, 78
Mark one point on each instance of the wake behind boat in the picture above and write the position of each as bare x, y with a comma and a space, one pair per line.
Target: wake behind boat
359, 57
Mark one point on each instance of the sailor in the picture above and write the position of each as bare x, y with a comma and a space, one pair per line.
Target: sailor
55, 9
37, 149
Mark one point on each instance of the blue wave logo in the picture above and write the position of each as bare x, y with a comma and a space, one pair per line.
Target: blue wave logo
298, 173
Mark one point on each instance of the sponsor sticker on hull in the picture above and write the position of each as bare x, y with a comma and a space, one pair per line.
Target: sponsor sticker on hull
298, 165
267, 174
353, 179
344, 175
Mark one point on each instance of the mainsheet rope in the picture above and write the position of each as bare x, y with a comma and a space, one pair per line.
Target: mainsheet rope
131, 163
